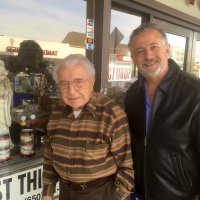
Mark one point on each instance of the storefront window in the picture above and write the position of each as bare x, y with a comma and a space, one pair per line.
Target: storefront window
177, 51
34, 36
121, 69
57, 27
196, 68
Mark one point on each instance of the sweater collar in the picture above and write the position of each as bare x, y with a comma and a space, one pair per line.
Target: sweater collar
90, 106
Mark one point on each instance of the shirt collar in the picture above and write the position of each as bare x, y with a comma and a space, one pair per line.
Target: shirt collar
168, 82
148, 103
169, 79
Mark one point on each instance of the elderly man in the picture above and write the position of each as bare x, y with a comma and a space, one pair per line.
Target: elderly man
88, 146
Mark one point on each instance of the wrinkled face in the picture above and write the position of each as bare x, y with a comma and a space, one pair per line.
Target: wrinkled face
150, 54
75, 85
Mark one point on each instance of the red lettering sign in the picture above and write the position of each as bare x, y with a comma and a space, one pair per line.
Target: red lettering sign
50, 53
12, 49
45, 52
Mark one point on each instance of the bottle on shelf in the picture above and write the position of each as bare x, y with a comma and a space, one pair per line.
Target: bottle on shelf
26, 139
33, 126
4, 147
32, 121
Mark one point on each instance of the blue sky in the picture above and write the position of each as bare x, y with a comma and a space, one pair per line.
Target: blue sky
125, 23
51, 20
48, 20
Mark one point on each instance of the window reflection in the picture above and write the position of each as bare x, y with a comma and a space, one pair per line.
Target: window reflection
121, 69
33, 43
177, 51
196, 68
46, 20
34, 36
58, 27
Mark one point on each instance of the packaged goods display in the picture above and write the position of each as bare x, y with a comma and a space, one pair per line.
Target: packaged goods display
25, 105
27, 143
5, 118
4, 147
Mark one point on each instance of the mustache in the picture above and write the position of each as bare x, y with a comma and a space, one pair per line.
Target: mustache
150, 61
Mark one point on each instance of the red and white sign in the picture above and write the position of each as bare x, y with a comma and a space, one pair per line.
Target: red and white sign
120, 72
10, 46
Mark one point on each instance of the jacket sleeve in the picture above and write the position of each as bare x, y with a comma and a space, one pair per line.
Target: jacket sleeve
196, 139
121, 150
50, 176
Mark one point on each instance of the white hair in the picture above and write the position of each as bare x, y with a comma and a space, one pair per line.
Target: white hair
70, 61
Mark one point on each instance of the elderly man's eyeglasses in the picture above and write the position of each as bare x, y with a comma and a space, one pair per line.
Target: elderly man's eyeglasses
77, 83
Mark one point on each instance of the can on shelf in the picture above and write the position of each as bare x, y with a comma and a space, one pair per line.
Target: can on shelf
4, 147
27, 143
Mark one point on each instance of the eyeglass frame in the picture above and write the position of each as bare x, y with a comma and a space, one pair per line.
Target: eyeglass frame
73, 83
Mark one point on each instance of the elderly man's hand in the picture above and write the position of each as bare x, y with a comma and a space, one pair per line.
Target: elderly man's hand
47, 198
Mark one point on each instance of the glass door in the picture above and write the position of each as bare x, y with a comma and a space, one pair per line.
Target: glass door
180, 40
122, 71
177, 48
196, 66
54, 28
34, 36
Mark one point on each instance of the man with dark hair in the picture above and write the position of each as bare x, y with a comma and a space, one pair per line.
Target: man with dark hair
163, 108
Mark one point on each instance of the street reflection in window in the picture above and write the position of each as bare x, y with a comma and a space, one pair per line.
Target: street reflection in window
46, 20
177, 51
57, 27
34, 36
196, 68
121, 68
122, 71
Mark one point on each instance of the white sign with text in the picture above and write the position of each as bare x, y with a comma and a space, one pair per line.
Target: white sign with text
25, 185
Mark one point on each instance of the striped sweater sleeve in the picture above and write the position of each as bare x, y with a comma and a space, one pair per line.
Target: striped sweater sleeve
121, 150
50, 176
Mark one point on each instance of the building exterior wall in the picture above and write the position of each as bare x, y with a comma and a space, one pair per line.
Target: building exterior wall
184, 6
